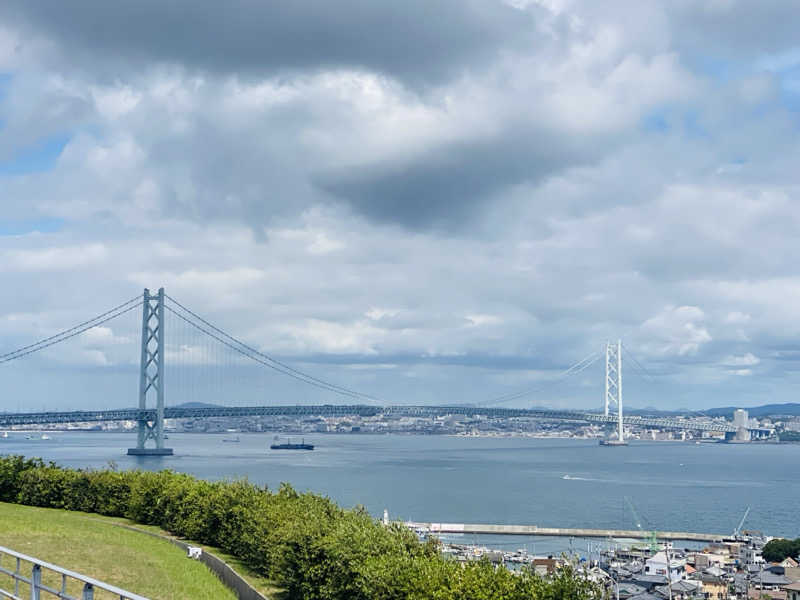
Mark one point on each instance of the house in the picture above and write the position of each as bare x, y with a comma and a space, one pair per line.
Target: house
646, 596
750, 555
545, 566
792, 591
703, 561
789, 562
681, 590
648, 582
657, 565
713, 571
628, 589
715, 587
767, 580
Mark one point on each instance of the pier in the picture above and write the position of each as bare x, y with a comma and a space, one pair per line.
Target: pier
534, 530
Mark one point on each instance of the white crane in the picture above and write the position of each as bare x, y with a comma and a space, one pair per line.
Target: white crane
738, 529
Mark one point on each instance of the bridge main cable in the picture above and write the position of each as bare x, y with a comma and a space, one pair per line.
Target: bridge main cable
261, 358
576, 368
62, 336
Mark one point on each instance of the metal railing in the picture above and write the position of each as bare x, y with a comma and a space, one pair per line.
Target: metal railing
34, 588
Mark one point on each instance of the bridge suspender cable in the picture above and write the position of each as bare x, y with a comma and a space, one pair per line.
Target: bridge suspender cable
261, 358
257, 358
72, 331
639, 366
576, 368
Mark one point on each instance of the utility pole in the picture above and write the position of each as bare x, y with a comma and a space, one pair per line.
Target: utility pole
669, 569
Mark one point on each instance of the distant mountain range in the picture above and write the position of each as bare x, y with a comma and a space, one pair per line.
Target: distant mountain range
198, 405
765, 410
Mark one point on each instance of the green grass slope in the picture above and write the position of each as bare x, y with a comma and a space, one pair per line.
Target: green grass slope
133, 561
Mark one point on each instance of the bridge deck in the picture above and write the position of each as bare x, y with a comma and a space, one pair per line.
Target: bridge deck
180, 412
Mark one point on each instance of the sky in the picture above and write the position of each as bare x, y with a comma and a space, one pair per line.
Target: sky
430, 202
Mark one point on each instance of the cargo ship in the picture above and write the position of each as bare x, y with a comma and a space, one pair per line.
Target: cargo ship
613, 443
290, 446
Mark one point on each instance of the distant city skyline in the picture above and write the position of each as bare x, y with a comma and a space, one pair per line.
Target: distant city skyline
429, 203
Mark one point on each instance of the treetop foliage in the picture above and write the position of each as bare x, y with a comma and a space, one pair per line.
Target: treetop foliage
312, 548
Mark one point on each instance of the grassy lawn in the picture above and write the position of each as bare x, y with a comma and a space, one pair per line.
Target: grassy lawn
260, 583
86, 544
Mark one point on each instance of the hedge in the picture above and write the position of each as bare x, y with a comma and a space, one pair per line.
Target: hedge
304, 542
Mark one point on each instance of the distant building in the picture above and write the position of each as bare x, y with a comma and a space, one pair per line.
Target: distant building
657, 565
704, 560
750, 555
740, 418
715, 587
792, 591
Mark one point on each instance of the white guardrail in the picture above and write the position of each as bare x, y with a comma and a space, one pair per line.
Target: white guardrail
34, 589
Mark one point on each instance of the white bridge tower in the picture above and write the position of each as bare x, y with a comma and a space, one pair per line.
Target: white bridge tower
151, 378
613, 383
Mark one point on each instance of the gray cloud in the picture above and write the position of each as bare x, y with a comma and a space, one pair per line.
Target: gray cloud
442, 188
416, 41
730, 30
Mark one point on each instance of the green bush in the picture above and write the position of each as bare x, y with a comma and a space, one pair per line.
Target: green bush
307, 544
779, 549
11, 467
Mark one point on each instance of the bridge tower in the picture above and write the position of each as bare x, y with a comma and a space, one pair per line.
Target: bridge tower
151, 378
613, 383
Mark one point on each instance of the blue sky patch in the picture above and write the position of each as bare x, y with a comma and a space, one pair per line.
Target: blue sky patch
42, 225
5, 82
656, 121
39, 157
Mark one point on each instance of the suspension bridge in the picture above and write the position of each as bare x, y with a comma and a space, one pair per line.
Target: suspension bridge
152, 409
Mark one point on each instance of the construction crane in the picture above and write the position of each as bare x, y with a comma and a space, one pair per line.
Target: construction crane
653, 537
738, 529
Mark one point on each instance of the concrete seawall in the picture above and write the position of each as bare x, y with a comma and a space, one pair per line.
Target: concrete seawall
533, 530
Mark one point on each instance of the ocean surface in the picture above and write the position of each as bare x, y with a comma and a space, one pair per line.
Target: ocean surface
547, 482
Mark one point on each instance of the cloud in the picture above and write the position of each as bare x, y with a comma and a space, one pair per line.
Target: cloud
676, 330
53, 259
416, 41
477, 194
746, 360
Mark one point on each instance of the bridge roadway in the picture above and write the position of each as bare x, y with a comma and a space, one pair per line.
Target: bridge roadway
362, 410
533, 530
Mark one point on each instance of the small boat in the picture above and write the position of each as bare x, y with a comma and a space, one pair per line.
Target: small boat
45, 436
290, 446
4, 434
235, 440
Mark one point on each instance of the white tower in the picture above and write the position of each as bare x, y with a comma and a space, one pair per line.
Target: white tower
151, 378
614, 384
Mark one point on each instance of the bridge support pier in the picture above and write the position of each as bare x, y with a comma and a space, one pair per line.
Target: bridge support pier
151, 378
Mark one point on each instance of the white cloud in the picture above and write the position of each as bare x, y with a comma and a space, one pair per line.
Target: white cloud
54, 258
675, 331
745, 360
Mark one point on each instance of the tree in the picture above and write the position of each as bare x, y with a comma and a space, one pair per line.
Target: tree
777, 550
